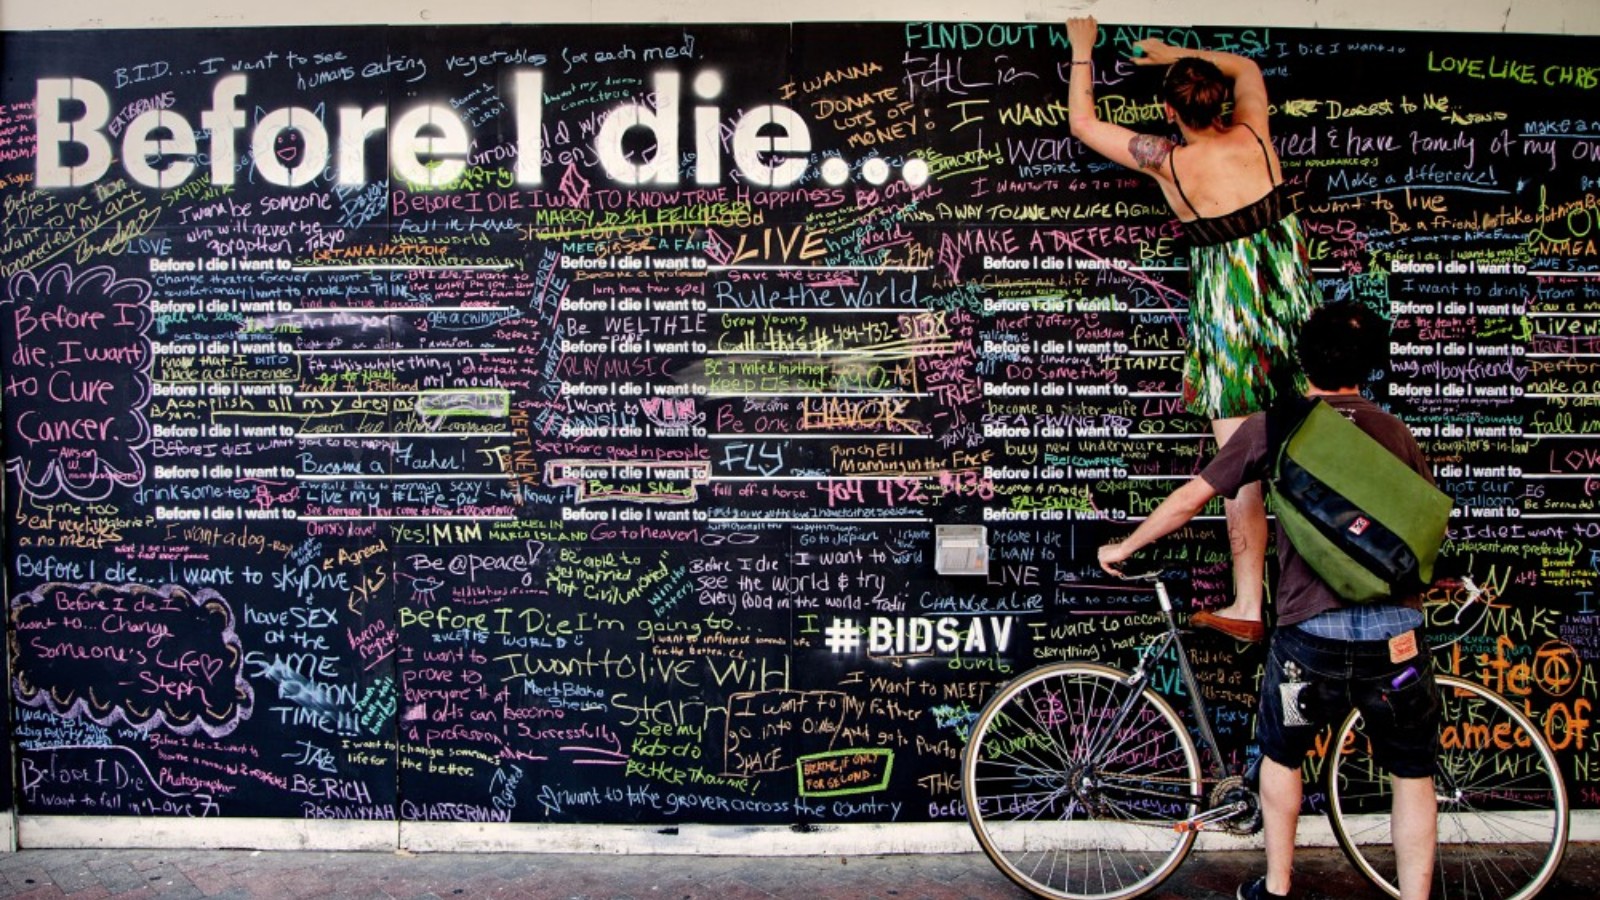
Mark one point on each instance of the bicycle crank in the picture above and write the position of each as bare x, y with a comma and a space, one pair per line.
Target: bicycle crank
1235, 808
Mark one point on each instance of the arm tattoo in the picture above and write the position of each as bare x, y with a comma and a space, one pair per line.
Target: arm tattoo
1150, 151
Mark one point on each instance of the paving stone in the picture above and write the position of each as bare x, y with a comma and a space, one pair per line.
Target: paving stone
1322, 874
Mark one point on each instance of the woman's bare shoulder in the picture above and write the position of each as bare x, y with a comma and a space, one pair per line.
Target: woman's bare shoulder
1223, 170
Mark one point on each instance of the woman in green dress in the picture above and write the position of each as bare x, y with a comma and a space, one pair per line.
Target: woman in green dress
1251, 276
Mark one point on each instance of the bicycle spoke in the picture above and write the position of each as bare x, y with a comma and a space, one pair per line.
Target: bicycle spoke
1073, 789
1502, 807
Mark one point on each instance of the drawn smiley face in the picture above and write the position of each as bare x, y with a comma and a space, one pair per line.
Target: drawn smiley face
289, 147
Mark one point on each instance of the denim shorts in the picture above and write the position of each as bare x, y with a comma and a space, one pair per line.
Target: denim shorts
1402, 722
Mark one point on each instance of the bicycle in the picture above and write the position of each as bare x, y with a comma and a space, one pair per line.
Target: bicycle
1082, 782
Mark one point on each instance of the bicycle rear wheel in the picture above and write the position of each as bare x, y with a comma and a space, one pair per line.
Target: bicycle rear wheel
1071, 799
1503, 811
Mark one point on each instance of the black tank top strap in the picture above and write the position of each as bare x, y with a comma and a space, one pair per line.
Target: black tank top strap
1172, 163
1264, 155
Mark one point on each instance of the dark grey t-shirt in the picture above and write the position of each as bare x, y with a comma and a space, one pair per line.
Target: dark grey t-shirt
1243, 460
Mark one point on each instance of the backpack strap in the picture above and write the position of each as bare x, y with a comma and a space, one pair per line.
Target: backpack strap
1288, 410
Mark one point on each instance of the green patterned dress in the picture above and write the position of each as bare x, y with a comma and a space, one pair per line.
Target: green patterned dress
1250, 295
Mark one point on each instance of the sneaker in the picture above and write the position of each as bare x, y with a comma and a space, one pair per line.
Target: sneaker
1257, 890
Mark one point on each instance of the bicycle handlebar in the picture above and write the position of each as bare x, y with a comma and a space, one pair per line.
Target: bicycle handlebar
1144, 566
1476, 596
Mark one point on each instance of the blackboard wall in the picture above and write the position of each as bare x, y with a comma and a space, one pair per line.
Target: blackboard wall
551, 424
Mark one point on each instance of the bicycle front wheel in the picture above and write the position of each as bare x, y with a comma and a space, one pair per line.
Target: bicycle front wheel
1503, 811
1078, 785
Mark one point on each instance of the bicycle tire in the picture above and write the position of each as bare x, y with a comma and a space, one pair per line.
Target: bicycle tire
1060, 827
1503, 812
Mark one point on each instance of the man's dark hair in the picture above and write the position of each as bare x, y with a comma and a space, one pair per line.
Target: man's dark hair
1196, 89
1342, 344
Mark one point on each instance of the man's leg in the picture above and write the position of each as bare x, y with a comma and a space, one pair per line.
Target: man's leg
1280, 815
1414, 822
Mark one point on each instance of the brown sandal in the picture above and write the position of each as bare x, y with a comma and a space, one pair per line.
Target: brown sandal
1239, 629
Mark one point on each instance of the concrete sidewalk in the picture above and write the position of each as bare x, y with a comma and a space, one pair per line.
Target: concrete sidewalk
40, 874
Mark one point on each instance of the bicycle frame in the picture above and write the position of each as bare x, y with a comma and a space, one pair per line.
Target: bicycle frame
1157, 649
1070, 748
1139, 679
1171, 639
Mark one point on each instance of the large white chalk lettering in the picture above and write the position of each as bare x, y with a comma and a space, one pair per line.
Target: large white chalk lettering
428, 144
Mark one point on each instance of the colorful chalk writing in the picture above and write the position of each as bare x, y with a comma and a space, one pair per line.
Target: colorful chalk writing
552, 424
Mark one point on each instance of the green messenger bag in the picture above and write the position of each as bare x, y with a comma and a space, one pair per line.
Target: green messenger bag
1365, 522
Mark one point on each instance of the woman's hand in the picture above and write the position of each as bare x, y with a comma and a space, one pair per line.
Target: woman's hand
1082, 33
1155, 52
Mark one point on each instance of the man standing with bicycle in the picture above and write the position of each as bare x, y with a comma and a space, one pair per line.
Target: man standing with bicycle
1327, 656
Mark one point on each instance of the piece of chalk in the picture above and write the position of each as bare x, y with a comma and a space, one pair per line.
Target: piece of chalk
1138, 50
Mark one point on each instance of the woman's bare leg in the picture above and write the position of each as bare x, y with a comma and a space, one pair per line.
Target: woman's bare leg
1247, 539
